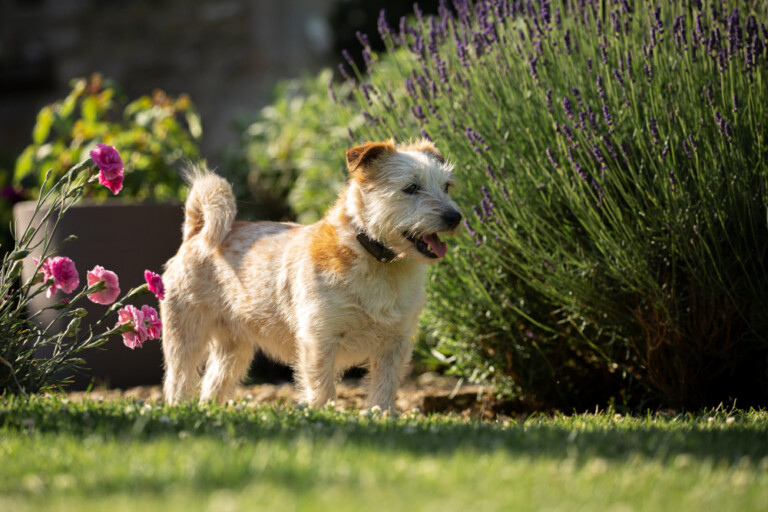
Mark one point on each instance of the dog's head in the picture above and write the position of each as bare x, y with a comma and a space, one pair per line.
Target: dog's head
401, 197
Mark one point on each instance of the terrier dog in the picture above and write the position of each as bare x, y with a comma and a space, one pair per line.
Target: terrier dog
324, 297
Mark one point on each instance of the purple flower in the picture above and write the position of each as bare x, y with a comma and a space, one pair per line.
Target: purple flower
654, 131
567, 42
618, 78
664, 153
600, 90
549, 101
720, 122
589, 65
348, 58
418, 112
603, 50
577, 94
411, 89
607, 117
735, 103
568, 133
648, 69
471, 231
532, 68
599, 191
567, 107
425, 135
504, 191
609, 146
487, 204
551, 158
580, 171
343, 71
599, 157
367, 88
384, 30
592, 117
691, 142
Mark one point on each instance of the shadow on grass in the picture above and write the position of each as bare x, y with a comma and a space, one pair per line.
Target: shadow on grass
717, 437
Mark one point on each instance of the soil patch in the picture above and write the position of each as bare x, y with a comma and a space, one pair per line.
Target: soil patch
427, 393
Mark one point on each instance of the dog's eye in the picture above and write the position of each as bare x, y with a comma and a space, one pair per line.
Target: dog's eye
447, 188
411, 189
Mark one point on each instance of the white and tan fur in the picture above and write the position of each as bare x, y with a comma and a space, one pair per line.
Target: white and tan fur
309, 296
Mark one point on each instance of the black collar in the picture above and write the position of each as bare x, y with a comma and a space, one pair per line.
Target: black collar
375, 248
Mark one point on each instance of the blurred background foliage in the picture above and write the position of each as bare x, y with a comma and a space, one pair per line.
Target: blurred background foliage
154, 133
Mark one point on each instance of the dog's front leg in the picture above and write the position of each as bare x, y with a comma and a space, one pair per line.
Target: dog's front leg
315, 368
386, 369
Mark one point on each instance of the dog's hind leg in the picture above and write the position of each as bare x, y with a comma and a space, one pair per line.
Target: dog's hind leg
184, 351
228, 363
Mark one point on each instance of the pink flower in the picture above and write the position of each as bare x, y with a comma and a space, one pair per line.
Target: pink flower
63, 272
155, 284
110, 167
115, 185
138, 335
152, 321
107, 295
145, 325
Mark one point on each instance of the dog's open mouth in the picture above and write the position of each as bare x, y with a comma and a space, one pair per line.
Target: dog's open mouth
429, 245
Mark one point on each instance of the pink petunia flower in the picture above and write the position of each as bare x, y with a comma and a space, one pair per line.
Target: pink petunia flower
63, 272
155, 284
110, 167
152, 322
107, 295
138, 335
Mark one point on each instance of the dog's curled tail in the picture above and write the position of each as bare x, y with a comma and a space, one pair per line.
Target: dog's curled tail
210, 207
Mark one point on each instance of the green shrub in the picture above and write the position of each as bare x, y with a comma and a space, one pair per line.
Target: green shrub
289, 161
157, 131
613, 162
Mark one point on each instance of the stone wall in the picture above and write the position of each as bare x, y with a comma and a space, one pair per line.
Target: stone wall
225, 54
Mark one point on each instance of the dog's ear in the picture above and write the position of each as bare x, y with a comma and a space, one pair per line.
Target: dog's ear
432, 150
365, 153
425, 146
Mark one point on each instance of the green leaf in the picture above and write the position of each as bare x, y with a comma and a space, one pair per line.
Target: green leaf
43, 126
24, 164
195, 127
90, 109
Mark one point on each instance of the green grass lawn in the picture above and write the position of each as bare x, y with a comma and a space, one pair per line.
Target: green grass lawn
127, 455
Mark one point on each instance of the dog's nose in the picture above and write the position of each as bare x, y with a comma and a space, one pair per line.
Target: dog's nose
451, 218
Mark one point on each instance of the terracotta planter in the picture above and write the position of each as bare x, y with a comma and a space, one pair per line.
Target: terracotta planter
126, 238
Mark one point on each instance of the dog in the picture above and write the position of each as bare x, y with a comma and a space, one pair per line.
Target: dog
345, 291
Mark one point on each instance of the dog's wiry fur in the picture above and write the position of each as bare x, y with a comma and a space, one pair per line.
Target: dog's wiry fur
310, 296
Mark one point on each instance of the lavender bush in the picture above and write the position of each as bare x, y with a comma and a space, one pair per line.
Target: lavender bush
613, 163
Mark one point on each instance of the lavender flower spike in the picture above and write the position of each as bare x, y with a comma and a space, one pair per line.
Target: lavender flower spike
654, 132
567, 107
551, 158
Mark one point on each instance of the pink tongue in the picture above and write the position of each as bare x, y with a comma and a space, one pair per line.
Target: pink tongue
438, 246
